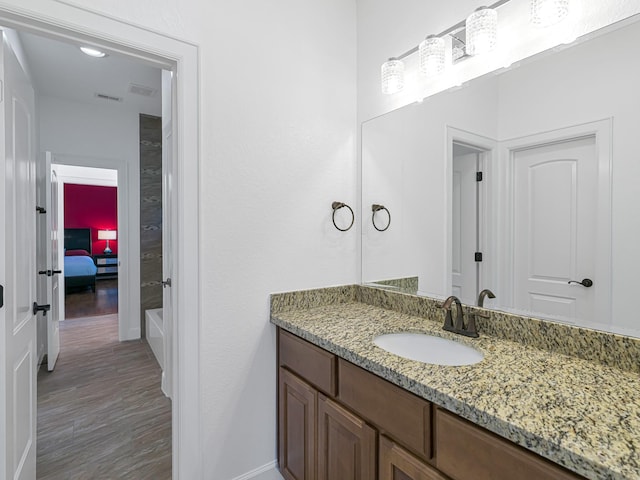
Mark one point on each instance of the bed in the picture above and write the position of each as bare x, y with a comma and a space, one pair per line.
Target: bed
79, 268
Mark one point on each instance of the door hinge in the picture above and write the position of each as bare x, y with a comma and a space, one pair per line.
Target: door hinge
478, 176
1, 296
478, 256
41, 210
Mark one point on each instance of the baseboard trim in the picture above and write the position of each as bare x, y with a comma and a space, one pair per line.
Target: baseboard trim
258, 471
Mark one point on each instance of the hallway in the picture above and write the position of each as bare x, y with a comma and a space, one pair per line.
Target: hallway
101, 414
85, 303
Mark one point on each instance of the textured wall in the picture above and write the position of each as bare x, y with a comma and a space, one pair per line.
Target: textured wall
150, 215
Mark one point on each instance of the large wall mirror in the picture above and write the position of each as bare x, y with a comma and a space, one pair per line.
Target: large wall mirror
552, 227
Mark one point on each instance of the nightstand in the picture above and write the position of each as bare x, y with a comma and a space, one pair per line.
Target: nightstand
107, 265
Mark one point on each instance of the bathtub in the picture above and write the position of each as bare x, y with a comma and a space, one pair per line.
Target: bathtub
155, 334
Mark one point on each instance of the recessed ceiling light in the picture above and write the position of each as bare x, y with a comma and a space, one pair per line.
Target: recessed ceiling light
92, 52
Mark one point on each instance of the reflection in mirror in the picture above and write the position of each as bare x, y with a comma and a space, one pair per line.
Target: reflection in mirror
555, 140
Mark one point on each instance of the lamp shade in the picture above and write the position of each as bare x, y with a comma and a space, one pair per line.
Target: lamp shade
431, 53
548, 12
107, 234
392, 76
482, 27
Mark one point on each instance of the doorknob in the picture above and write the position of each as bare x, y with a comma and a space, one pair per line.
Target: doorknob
166, 283
587, 282
41, 308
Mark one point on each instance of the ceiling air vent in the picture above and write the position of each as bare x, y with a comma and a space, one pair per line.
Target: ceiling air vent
111, 98
142, 90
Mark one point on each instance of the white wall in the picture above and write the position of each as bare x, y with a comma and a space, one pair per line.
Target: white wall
107, 137
279, 147
278, 103
387, 29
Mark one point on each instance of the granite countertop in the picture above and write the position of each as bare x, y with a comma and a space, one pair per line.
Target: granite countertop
578, 413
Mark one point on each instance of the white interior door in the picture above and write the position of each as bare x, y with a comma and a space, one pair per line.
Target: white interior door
53, 266
555, 229
464, 276
168, 235
18, 356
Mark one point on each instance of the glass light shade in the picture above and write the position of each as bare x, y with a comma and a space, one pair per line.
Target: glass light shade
392, 76
548, 12
431, 53
482, 28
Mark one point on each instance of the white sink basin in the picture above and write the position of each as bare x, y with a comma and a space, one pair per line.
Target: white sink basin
428, 349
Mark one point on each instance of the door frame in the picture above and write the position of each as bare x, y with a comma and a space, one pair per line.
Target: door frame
128, 227
602, 131
489, 148
70, 23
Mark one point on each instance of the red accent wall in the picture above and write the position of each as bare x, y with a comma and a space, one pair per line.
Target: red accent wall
94, 207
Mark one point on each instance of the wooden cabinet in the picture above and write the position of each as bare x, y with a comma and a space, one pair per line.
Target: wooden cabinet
346, 444
297, 427
398, 464
331, 415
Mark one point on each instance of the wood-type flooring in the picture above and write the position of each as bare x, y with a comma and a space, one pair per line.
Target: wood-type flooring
83, 302
101, 413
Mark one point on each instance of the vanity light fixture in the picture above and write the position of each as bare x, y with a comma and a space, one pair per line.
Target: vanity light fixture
431, 54
548, 12
392, 76
482, 28
482, 38
93, 52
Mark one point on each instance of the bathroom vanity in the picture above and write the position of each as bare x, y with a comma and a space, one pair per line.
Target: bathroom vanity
528, 410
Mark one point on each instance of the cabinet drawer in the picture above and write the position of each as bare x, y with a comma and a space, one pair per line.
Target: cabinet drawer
466, 451
395, 412
315, 365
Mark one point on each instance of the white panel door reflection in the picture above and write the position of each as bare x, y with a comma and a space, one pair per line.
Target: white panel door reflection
555, 196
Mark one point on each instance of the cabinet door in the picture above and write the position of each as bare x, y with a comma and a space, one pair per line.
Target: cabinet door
297, 427
398, 464
346, 444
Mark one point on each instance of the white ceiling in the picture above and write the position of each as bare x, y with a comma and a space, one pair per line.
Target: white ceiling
62, 70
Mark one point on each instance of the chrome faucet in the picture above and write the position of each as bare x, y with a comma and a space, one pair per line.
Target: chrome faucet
459, 327
484, 293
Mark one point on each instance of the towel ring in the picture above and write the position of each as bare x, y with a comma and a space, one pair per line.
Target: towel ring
376, 208
337, 206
